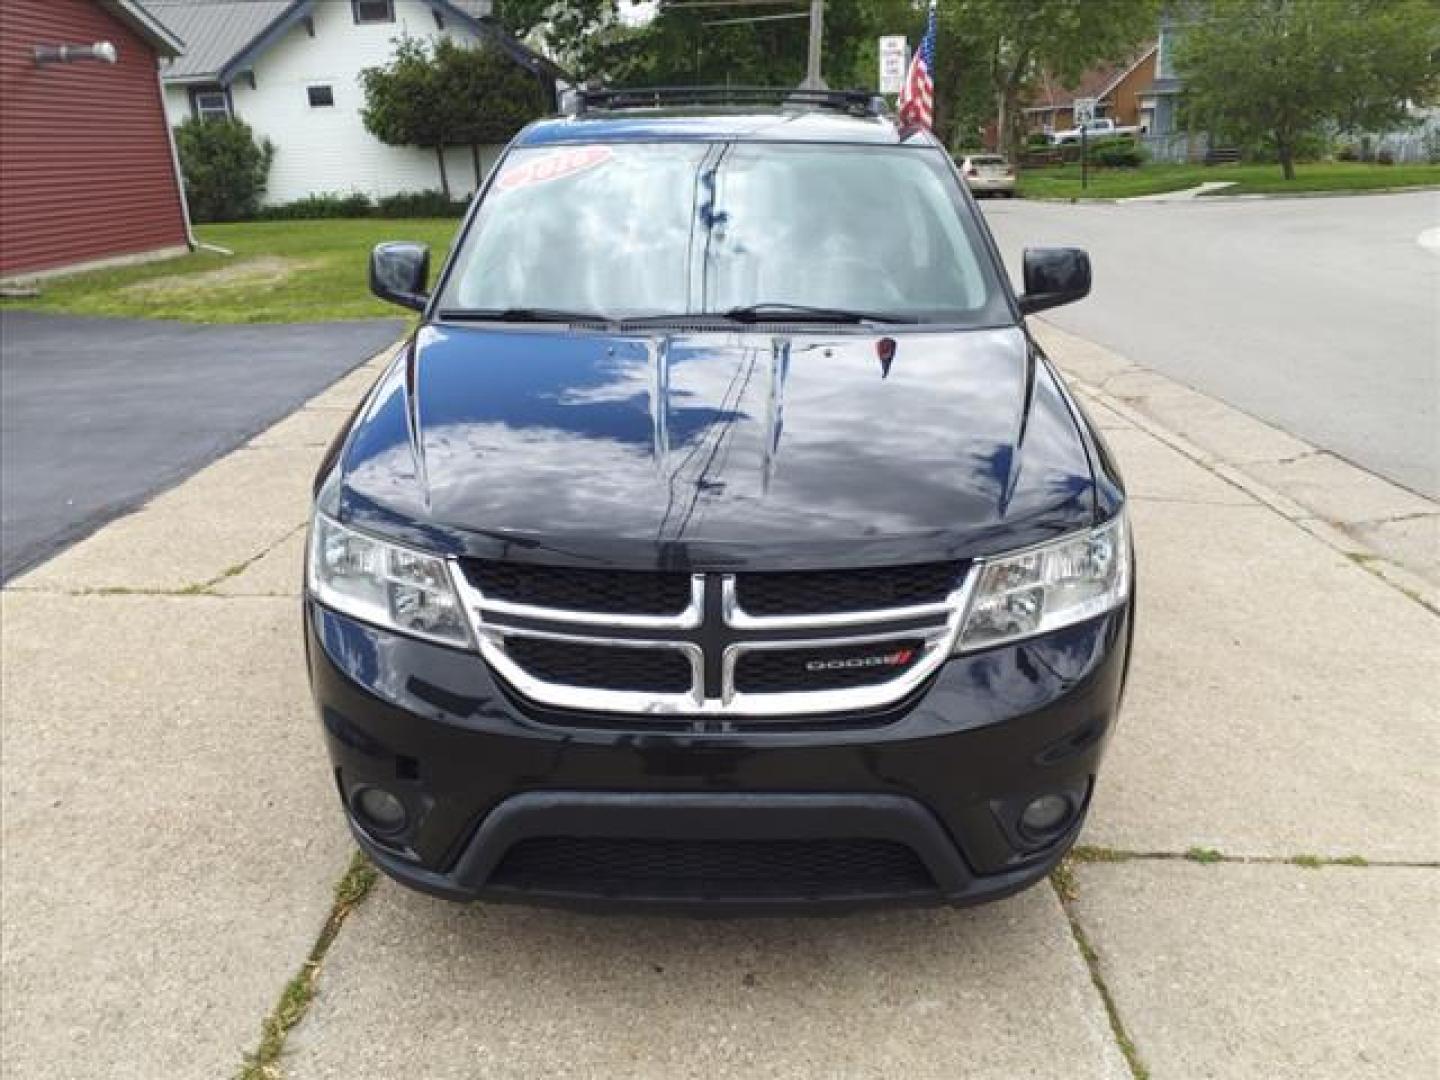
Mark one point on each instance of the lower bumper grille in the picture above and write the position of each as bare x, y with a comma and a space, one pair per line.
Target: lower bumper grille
693, 869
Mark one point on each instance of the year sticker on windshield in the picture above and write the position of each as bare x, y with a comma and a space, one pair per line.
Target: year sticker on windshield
552, 165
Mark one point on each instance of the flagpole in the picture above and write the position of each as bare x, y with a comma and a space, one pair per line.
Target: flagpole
813, 79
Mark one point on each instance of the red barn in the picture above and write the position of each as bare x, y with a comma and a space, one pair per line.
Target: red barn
87, 166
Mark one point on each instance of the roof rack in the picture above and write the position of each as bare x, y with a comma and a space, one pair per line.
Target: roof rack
853, 102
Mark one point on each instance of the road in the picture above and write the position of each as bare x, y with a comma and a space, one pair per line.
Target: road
1321, 316
99, 414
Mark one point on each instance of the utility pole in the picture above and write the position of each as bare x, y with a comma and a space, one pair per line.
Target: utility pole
813, 79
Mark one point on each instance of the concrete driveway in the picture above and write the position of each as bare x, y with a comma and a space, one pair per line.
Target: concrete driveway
1255, 897
96, 415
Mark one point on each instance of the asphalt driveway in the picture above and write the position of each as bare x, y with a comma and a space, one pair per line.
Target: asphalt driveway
96, 415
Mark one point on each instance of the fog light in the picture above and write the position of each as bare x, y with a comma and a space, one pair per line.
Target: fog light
380, 811
1045, 816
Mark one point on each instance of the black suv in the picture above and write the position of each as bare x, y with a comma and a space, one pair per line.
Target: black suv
720, 537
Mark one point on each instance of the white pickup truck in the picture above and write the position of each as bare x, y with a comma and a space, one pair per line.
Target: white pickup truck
1095, 129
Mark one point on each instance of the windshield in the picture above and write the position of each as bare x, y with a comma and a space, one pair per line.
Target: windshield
633, 230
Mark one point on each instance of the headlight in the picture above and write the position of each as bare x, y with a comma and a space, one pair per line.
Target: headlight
383, 583
1048, 587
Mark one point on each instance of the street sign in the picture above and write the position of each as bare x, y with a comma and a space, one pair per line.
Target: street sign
893, 55
1084, 110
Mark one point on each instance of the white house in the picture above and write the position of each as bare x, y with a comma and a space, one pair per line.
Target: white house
291, 70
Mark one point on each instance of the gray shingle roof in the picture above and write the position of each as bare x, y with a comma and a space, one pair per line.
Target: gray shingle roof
222, 36
213, 31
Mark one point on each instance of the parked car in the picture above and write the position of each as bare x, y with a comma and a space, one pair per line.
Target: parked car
1094, 129
717, 539
988, 174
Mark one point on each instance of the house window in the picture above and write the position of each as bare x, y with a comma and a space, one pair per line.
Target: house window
210, 102
320, 96
373, 11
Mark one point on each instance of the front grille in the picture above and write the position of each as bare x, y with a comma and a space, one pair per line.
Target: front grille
828, 592
602, 667
755, 646
611, 592
780, 671
601, 866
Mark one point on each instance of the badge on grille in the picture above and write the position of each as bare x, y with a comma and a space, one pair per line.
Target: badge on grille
898, 658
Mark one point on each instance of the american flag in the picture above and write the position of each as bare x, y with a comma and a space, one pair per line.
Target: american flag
917, 96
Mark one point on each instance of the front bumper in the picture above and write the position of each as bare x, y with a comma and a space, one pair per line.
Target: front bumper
943, 776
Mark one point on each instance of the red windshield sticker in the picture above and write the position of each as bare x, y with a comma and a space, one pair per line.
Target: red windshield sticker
553, 166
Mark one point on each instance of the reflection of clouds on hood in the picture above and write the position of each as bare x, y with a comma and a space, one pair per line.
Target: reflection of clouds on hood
817, 447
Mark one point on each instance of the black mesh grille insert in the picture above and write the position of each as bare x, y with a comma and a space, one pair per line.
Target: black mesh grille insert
613, 592
826, 592
598, 866
602, 667
777, 671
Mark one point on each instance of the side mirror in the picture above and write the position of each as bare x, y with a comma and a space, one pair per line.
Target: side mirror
1054, 276
399, 272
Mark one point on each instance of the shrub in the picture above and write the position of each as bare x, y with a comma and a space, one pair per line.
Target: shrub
1119, 154
1348, 152
1385, 157
225, 169
326, 205
1037, 140
419, 204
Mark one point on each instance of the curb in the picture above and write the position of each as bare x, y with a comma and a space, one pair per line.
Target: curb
1414, 585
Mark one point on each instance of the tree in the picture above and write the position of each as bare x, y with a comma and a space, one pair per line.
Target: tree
1009, 41
225, 169
1278, 71
406, 103
490, 96
442, 93
577, 34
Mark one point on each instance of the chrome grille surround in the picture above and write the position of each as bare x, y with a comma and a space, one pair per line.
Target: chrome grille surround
716, 643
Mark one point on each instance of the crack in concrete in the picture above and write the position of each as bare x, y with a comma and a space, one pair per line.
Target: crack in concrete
1064, 891
1086, 854
294, 1002
1413, 515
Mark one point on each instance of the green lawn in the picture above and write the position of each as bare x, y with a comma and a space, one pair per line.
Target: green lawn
1063, 181
282, 271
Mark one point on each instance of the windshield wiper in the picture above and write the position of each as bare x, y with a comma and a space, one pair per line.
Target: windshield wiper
782, 312
521, 314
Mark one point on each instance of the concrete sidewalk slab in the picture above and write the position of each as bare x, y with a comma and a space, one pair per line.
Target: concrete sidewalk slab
219, 519
1349, 508
1154, 472
1281, 699
279, 572
419, 987
305, 428
1340, 492
1269, 971
348, 392
170, 839
1215, 427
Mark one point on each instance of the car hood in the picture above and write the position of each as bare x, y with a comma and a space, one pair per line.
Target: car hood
715, 449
